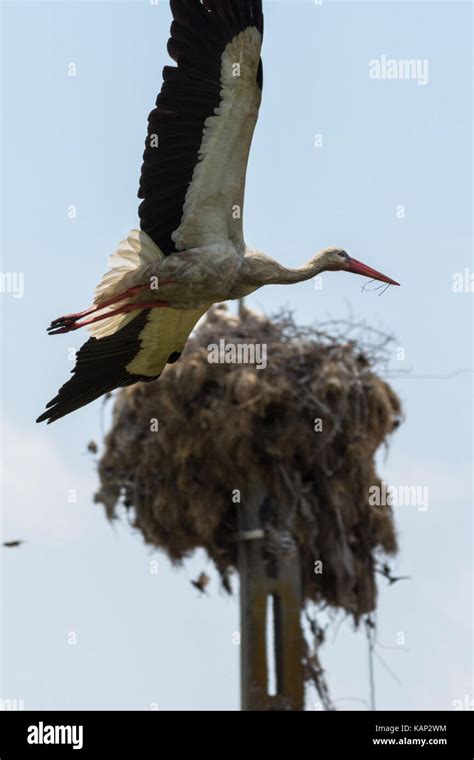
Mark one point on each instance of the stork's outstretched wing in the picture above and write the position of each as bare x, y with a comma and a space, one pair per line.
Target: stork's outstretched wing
199, 134
137, 352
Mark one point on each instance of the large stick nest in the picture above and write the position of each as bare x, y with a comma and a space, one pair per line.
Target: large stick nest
224, 426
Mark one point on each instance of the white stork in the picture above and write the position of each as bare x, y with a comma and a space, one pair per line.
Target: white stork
190, 251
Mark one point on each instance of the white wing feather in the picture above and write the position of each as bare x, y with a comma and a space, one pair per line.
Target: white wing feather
213, 206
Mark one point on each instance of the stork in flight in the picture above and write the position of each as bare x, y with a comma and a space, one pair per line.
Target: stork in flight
190, 251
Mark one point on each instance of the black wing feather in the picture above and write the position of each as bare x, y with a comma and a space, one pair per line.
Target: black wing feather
100, 368
190, 94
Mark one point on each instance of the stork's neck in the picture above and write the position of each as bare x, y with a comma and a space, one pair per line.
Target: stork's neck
263, 270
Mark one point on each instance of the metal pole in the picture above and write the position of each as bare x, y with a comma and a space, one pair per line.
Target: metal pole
266, 572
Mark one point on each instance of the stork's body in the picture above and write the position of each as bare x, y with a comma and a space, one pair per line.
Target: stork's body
190, 250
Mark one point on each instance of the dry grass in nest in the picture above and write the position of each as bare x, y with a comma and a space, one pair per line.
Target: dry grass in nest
224, 426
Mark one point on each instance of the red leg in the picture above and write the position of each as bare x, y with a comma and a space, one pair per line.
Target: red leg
69, 319
122, 310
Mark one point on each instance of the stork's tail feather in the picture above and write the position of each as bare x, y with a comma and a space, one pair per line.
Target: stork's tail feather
133, 255
135, 252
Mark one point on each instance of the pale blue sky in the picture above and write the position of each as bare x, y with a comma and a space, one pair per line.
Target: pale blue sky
144, 638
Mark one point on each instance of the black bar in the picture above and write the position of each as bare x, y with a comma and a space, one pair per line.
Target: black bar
160, 733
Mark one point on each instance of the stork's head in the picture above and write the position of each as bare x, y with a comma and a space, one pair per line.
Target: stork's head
335, 259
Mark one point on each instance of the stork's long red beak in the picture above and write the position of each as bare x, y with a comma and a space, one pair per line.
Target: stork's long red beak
357, 267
